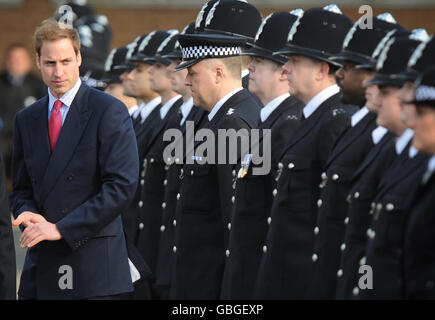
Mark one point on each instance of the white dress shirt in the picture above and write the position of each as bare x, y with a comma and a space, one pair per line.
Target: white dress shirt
186, 107
66, 100
271, 106
168, 104
358, 116
149, 107
220, 103
318, 99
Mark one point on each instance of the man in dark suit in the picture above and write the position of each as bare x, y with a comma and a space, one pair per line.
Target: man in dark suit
253, 193
204, 202
285, 268
7, 249
74, 171
348, 153
418, 246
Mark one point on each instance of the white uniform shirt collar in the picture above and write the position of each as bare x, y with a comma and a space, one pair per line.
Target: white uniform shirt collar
412, 152
168, 104
403, 140
431, 164
149, 107
319, 98
358, 116
271, 106
138, 110
245, 72
185, 109
132, 109
220, 103
378, 134
67, 98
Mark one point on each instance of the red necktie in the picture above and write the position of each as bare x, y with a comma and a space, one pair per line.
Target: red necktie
55, 124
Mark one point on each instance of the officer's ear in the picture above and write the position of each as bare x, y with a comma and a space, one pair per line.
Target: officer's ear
79, 58
38, 60
322, 70
219, 72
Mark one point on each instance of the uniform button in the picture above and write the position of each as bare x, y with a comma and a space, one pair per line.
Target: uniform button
141, 226
177, 160
346, 220
152, 160
355, 291
349, 198
319, 203
280, 165
174, 222
362, 261
269, 220
389, 207
165, 182
163, 205
274, 192
343, 247
140, 204
264, 249
227, 253
233, 199
370, 233
356, 195
178, 196
291, 165
70, 177
229, 226
234, 173
315, 257
142, 182
191, 172
339, 273
379, 206
142, 174
324, 176
316, 230
335, 176
162, 228
174, 249
373, 205
168, 160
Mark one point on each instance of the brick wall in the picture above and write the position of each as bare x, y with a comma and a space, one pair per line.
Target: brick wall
18, 24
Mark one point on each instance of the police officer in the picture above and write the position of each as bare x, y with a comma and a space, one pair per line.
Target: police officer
214, 75
253, 193
286, 265
347, 155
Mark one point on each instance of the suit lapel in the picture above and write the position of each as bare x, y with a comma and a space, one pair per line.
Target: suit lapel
351, 136
70, 135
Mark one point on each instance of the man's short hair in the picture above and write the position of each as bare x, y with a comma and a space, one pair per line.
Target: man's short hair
234, 66
51, 30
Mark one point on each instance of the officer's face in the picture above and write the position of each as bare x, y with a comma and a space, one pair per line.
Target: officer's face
372, 96
116, 90
350, 81
263, 76
59, 65
159, 78
407, 92
178, 78
140, 81
301, 73
424, 130
389, 113
18, 62
201, 78
127, 83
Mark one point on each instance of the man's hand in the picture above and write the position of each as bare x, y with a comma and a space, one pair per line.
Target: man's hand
28, 218
38, 232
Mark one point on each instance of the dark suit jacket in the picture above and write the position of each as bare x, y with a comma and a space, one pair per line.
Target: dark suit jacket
251, 208
384, 250
418, 261
82, 187
347, 155
204, 210
360, 210
8, 275
285, 268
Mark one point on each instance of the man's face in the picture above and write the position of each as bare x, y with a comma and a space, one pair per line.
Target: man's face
116, 90
177, 78
407, 92
350, 81
59, 65
201, 80
372, 94
127, 83
389, 113
140, 81
424, 130
300, 72
262, 75
18, 62
159, 78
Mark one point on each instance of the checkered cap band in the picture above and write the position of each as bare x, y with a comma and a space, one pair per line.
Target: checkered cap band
424, 93
196, 52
